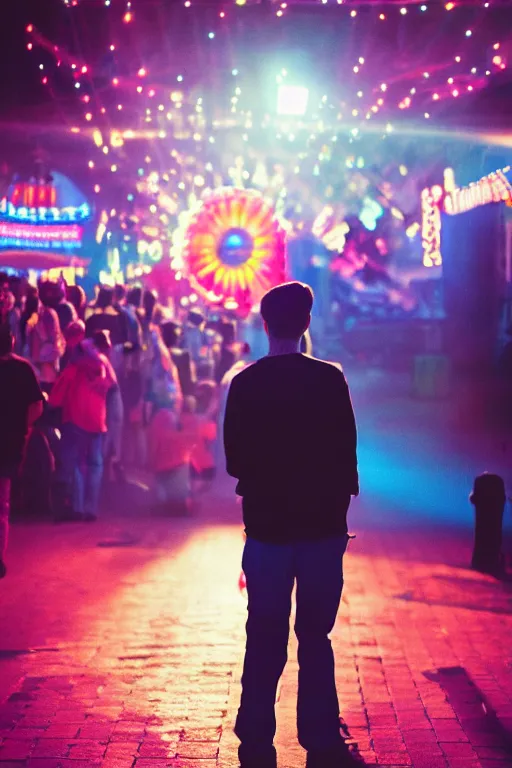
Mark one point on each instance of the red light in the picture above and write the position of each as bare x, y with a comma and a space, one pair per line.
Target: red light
142, 72
44, 81
115, 81
222, 14
29, 46
84, 70
30, 28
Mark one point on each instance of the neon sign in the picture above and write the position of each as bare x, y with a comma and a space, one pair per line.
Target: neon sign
33, 195
494, 188
43, 214
40, 236
450, 199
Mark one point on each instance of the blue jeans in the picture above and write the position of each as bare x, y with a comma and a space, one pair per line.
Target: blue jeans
81, 467
271, 571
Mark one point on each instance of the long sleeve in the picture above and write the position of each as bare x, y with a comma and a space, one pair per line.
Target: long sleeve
61, 387
233, 432
348, 437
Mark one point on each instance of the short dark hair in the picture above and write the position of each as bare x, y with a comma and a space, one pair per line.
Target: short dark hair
105, 297
134, 297
119, 292
6, 339
102, 342
286, 309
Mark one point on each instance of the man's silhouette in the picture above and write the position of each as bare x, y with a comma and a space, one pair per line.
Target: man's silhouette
290, 440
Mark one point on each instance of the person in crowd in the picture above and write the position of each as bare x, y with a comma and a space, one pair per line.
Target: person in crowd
45, 342
172, 336
112, 447
105, 317
134, 302
162, 378
228, 351
76, 297
200, 420
10, 314
193, 331
28, 316
74, 335
81, 393
131, 384
149, 311
22, 404
36, 478
169, 449
290, 441
56, 298
134, 327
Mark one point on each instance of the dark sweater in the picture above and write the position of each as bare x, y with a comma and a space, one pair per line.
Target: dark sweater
290, 440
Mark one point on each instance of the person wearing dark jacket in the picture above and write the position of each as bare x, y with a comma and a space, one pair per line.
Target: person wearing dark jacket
290, 441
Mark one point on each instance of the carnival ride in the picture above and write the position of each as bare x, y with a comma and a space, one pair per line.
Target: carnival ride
232, 248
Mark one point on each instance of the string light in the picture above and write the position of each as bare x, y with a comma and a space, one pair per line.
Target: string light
435, 75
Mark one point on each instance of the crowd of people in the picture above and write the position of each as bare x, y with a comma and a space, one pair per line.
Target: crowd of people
111, 386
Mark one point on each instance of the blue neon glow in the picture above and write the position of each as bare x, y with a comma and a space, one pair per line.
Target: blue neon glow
234, 241
370, 213
42, 215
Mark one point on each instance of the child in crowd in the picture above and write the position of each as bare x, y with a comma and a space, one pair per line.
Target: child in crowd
35, 483
169, 450
199, 421
115, 413
131, 384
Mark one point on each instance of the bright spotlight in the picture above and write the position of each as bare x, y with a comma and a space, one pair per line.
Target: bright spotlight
292, 100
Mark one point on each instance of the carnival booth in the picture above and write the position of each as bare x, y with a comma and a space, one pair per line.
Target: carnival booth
465, 230
43, 226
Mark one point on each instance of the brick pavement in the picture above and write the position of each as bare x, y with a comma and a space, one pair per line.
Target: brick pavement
129, 657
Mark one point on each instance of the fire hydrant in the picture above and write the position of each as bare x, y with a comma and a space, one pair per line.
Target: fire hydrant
488, 498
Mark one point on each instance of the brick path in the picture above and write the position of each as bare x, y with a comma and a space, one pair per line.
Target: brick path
130, 656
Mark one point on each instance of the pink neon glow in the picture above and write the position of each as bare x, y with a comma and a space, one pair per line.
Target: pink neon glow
43, 233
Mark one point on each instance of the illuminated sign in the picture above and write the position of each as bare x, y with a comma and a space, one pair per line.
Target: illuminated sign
33, 195
44, 215
450, 199
494, 188
40, 236
431, 226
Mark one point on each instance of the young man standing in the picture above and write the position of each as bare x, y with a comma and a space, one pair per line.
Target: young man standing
22, 405
290, 441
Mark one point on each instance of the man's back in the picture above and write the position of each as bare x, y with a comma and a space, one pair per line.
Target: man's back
290, 440
18, 390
